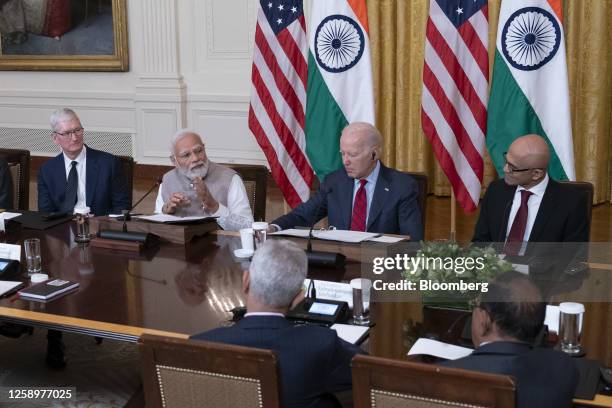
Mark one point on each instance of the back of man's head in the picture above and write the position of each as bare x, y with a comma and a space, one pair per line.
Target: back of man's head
277, 273
514, 304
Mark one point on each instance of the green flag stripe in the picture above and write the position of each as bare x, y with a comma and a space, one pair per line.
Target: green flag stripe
324, 123
510, 115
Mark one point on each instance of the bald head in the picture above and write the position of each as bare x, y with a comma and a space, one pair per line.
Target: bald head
531, 151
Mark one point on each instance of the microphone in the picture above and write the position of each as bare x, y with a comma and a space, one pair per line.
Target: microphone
322, 258
147, 239
126, 213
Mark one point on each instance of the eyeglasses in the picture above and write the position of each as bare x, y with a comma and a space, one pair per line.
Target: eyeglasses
78, 132
512, 168
183, 156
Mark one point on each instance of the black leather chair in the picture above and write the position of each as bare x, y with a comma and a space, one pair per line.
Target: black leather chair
19, 166
255, 180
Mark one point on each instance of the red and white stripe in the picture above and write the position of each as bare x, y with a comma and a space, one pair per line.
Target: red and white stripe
278, 105
455, 96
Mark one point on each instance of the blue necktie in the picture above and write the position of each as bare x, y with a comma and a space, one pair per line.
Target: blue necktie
72, 185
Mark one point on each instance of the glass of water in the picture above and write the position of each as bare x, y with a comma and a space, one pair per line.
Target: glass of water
32, 253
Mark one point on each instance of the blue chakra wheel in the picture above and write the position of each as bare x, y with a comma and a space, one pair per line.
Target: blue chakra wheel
339, 43
530, 38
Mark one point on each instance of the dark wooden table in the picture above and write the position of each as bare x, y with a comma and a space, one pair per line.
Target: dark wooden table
179, 290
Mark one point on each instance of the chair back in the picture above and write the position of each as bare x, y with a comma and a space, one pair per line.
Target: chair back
127, 169
385, 383
586, 189
19, 166
255, 180
421, 179
191, 373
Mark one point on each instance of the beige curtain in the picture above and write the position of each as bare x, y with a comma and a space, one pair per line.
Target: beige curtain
397, 32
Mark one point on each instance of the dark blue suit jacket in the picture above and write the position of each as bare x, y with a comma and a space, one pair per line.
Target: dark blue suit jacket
545, 378
394, 208
313, 361
105, 187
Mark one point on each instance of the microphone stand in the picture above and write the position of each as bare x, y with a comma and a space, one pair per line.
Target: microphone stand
147, 239
322, 258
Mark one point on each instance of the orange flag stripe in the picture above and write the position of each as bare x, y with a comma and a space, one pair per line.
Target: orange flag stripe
361, 11
557, 6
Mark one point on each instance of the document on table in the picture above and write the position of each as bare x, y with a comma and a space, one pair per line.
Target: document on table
438, 349
351, 333
341, 292
9, 286
329, 235
168, 218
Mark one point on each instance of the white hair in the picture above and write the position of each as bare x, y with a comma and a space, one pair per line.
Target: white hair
181, 133
277, 272
61, 115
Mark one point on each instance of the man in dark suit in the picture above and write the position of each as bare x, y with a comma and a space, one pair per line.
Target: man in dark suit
313, 361
505, 323
527, 205
364, 195
80, 176
6, 186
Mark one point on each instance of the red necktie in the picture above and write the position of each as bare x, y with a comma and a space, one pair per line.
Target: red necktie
517, 232
360, 208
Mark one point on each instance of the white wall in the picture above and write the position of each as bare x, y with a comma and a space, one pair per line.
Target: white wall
190, 66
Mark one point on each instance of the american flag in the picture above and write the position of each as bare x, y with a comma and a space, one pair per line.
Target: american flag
455, 92
278, 97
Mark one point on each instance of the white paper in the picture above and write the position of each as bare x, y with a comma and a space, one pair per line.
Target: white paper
387, 239
342, 292
170, 218
439, 349
7, 286
10, 251
552, 318
329, 235
8, 215
521, 268
350, 333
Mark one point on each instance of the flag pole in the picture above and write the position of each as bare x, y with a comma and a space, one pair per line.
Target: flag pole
453, 226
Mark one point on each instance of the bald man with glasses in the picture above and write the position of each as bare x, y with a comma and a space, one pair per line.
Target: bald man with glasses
527, 205
80, 176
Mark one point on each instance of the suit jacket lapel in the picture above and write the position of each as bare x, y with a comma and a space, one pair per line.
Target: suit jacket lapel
506, 205
60, 178
91, 176
544, 212
381, 191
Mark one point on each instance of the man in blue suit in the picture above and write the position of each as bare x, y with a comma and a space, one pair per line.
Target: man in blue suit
80, 176
505, 323
313, 361
364, 195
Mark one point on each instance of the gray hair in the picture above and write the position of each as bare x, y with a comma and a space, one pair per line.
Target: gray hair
369, 133
181, 133
61, 115
277, 272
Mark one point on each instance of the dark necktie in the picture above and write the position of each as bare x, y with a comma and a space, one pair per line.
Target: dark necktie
517, 232
72, 185
360, 208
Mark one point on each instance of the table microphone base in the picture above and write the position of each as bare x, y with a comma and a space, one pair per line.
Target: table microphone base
326, 259
145, 238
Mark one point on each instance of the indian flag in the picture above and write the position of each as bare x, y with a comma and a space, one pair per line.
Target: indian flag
340, 87
529, 91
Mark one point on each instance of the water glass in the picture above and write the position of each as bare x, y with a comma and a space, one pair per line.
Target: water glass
570, 327
260, 231
32, 252
361, 296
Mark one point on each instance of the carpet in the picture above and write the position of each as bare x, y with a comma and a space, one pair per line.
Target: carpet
104, 375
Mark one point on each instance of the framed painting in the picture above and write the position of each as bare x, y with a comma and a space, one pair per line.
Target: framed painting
63, 35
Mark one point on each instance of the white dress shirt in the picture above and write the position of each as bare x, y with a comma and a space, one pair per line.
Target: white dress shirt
533, 205
81, 169
235, 216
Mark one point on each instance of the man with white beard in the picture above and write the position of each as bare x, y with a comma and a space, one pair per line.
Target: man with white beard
197, 186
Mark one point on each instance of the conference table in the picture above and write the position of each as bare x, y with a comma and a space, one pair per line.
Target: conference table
180, 290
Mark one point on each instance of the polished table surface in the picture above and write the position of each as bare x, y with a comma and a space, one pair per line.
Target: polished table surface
180, 290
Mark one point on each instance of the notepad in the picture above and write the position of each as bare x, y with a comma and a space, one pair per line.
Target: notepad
439, 349
48, 289
351, 333
7, 287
